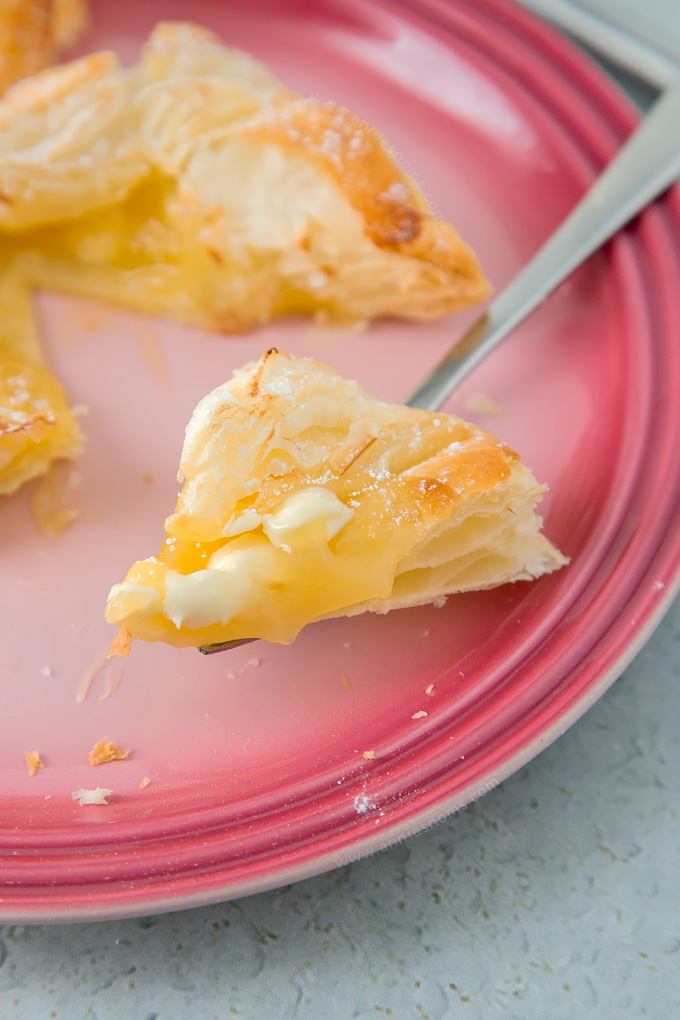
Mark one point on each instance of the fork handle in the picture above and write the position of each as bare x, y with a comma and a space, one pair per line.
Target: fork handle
646, 165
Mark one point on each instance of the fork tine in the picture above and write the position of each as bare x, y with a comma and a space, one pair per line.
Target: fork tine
211, 649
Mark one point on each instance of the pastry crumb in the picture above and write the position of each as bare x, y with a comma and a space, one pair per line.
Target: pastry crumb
429, 688
33, 762
47, 671
121, 643
146, 477
255, 662
97, 796
145, 782
419, 715
369, 755
345, 683
105, 751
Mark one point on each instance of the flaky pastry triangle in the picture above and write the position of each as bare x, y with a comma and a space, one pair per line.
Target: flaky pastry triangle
305, 498
195, 185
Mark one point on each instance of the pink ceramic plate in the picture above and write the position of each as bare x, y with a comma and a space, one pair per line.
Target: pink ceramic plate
256, 757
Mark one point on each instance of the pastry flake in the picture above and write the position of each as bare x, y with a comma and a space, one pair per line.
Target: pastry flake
106, 751
304, 498
33, 762
120, 644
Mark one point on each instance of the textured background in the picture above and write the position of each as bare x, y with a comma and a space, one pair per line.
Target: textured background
656, 22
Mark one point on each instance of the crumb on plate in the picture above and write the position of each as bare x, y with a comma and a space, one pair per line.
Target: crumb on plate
419, 715
145, 782
346, 684
97, 796
121, 643
33, 762
369, 755
105, 751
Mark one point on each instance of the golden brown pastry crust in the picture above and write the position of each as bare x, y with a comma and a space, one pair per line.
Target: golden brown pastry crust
33, 762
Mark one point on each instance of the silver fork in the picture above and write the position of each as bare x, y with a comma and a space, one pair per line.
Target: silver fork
646, 165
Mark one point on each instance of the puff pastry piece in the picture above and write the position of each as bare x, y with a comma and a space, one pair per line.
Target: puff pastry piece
34, 32
195, 185
36, 424
305, 498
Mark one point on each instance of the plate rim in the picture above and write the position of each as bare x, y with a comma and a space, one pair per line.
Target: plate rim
114, 902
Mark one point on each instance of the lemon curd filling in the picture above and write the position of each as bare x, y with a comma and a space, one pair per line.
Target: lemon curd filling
152, 252
269, 574
129, 252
